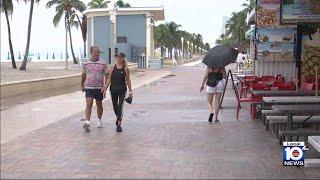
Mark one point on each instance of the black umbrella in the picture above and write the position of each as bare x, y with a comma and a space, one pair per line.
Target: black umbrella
220, 56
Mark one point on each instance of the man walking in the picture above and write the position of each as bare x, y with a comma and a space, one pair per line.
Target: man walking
94, 74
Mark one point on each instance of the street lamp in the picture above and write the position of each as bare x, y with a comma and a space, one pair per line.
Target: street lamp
191, 54
188, 42
195, 49
182, 47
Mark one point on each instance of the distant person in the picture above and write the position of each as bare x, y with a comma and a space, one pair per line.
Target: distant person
119, 80
94, 73
214, 79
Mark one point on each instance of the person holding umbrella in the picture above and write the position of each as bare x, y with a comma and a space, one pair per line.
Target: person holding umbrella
216, 59
214, 79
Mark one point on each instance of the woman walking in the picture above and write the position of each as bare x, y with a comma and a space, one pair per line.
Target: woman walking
119, 80
214, 80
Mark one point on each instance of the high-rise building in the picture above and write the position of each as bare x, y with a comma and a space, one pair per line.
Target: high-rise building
224, 22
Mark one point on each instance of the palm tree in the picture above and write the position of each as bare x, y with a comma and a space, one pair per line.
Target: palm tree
169, 36
7, 8
98, 4
173, 40
207, 46
120, 3
236, 27
249, 7
24, 62
161, 33
67, 7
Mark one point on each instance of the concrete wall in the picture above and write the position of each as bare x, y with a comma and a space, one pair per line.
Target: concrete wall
285, 68
102, 35
134, 27
38, 85
45, 84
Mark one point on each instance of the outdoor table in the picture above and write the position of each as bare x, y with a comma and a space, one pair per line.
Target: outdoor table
292, 100
294, 109
266, 93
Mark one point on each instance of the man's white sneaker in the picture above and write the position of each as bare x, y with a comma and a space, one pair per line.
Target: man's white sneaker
86, 126
99, 122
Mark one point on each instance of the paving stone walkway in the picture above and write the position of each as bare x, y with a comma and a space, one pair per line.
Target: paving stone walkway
165, 135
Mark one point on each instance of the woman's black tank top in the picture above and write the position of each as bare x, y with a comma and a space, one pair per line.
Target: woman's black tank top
118, 79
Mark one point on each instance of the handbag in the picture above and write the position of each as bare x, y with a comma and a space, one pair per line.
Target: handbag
128, 100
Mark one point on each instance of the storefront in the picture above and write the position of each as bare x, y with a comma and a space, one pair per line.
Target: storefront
286, 38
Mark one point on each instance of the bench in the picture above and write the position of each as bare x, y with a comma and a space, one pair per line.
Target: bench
276, 121
268, 112
299, 132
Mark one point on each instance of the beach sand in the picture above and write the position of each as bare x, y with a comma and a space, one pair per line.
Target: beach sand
36, 70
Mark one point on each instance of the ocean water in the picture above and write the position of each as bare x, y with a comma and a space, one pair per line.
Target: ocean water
40, 56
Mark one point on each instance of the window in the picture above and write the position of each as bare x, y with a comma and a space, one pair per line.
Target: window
122, 39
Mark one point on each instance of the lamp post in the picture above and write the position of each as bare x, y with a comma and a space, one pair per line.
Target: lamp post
191, 54
182, 47
188, 42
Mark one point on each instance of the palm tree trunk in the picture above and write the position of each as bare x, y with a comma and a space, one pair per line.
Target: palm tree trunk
161, 51
24, 62
70, 37
14, 66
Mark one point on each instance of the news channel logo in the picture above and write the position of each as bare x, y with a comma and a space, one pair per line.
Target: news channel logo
293, 153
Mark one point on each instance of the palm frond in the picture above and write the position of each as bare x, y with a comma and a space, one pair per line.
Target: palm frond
51, 3
57, 17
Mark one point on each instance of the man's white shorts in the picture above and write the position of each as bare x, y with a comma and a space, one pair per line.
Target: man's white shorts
218, 88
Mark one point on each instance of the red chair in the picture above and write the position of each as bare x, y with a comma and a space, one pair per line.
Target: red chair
277, 83
280, 79
268, 78
246, 84
257, 86
254, 100
307, 86
286, 87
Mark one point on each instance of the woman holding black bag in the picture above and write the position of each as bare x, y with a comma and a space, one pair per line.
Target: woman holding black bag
119, 80
214, 79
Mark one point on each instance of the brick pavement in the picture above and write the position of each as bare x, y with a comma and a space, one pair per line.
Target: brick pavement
166, 135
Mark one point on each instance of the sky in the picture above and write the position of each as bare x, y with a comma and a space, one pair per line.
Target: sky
200, 16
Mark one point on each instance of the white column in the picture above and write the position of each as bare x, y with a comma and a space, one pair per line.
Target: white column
152, 40
148, 39
113, 30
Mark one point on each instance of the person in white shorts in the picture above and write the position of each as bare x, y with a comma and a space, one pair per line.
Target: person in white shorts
214, 79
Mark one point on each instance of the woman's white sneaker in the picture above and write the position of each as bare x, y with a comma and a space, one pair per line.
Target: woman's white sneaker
86, 126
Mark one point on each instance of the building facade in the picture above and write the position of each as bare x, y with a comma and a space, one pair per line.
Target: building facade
134, 31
